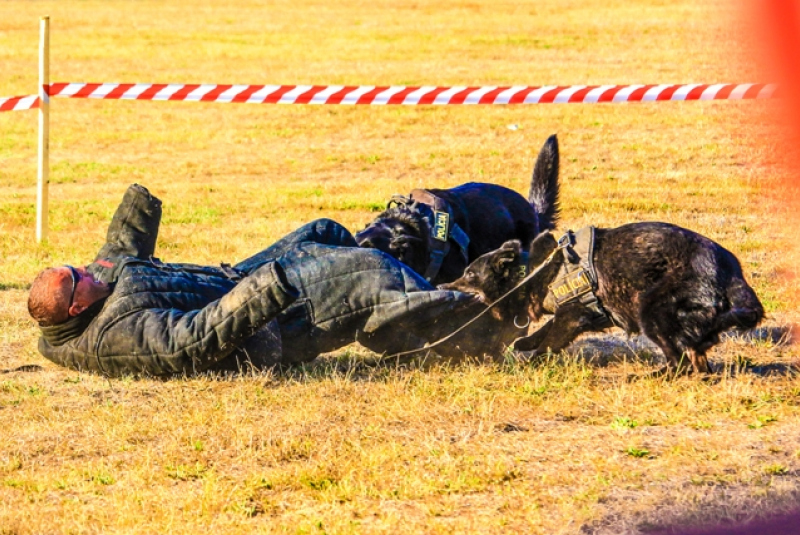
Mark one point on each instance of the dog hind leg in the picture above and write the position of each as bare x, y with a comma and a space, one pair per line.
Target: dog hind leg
672, 354
699, 361
678, 315
745, 313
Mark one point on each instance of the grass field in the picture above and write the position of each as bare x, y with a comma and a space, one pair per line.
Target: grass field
570, 446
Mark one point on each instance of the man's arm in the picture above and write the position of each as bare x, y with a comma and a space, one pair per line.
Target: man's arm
134, 227
166, 341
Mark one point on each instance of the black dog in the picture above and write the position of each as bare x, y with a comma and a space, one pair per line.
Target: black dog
438, 232
678, 288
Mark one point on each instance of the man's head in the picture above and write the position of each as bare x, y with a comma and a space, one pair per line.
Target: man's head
57, 294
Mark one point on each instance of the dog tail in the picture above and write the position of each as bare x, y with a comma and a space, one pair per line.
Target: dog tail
543, 194
746, 310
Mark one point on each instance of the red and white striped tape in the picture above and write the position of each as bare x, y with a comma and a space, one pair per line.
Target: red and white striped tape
19, 103
405, 95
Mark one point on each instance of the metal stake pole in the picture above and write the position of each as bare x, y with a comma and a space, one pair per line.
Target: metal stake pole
44, 130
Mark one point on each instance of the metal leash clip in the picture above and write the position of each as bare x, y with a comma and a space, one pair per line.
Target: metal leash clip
565, 243
567, 240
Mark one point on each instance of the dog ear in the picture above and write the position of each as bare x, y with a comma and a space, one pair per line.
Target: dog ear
506, 256
542, 246
512, 245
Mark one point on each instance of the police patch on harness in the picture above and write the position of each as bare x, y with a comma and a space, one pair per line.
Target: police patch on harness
441, 223
571, 286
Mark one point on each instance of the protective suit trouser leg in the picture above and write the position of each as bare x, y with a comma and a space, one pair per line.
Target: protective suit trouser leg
321, 231
353, 294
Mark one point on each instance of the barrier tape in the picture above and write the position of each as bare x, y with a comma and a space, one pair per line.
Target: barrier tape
19, 103
405, 95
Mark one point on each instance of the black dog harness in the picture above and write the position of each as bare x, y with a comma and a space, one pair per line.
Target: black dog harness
443, 228
576, 280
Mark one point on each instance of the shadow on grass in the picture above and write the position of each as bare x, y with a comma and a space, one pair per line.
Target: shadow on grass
719, 510
608, 349
24, 368
603, 350
771, 369
777, 336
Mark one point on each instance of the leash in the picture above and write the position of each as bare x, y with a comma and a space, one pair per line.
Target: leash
440, 341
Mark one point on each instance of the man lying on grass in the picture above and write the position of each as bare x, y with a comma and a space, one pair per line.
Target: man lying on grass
312, 292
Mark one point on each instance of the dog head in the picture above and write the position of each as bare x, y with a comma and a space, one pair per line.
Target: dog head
495, 273
491, 275
401, 231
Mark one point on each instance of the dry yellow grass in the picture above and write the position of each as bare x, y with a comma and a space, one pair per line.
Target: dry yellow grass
336, 447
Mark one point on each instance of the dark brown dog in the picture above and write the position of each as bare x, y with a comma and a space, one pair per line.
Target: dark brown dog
675, 286
438, 232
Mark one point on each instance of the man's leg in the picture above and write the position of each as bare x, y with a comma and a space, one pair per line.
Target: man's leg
352, 294
321, 231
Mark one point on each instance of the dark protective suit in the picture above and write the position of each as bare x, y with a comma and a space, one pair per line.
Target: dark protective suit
311, 292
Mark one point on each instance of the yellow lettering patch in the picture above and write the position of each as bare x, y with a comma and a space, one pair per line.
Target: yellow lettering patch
440, 226
571, 286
